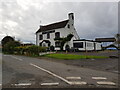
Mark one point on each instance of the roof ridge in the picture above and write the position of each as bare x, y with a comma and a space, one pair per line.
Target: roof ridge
56, 25
56, 22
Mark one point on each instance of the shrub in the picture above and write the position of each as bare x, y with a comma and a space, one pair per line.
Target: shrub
9, 47
30, 50
52, 48
64, 40
6, 39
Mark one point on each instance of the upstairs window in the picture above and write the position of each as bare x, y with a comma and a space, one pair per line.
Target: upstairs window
72, 17
40, 37
68, 26
48, 35
57, 35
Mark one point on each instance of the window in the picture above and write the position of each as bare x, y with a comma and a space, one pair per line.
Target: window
40, 37
72, 17
68, 26
57, 44
48, 35
57, 35
48, 32
89, 45
78, 45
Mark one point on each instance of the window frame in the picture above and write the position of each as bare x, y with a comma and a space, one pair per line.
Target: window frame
48, 35
68, 26
57, 34
57, 44
78, 45
40, 37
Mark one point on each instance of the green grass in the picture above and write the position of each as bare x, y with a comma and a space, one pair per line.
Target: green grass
70, 56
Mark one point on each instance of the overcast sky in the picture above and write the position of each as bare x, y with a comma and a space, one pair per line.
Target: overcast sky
21, 18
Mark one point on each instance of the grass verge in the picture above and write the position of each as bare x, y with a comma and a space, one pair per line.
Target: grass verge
70, 56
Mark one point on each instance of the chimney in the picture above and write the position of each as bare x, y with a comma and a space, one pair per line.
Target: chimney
71, 19
71, 16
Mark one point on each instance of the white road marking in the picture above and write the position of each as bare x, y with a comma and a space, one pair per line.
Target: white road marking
78, 83
6, 55
106, 83
99, 78
43, 84
22, 84
73, 77
51, 73
17, 58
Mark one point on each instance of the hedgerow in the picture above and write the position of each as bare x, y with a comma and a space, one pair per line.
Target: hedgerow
30, 50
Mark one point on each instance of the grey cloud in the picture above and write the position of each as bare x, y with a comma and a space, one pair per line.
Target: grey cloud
91, 19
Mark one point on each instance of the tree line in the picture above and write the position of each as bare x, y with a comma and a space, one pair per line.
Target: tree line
11, 46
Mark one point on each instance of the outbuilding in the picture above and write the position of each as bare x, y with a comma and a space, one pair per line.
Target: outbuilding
86, 45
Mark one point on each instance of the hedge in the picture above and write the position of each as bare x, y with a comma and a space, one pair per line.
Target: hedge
30, 50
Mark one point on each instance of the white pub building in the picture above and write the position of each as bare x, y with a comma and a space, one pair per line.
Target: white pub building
46, 34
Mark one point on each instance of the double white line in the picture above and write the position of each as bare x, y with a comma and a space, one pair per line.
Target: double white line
55, 75
49, 84
22, 84
103, 82
51, 73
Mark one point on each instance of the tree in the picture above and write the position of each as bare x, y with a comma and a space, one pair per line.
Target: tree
52, 48
117, 38
9, 47
64, 40
6, 39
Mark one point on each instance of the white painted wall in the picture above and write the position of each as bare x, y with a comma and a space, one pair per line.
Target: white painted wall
98, 46
89, 47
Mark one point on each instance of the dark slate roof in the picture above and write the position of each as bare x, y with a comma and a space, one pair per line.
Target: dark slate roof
56, 25
84, 40
112, 39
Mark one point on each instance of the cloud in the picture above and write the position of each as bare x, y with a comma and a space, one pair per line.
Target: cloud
21, 18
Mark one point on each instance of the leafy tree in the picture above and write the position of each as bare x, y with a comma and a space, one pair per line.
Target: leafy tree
64, 40
52, 48
6, 39
117, 38
9, 47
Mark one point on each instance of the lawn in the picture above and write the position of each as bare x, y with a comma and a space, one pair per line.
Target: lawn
70, 56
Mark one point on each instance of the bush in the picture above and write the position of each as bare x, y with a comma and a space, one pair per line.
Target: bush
6, 39
20, 49
30, 50
64, 40
52, 48
9, 47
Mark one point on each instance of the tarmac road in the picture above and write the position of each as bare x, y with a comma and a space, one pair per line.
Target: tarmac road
22, 71
0, 70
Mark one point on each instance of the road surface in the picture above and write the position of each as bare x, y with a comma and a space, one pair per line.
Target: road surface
0, 70
22, 71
